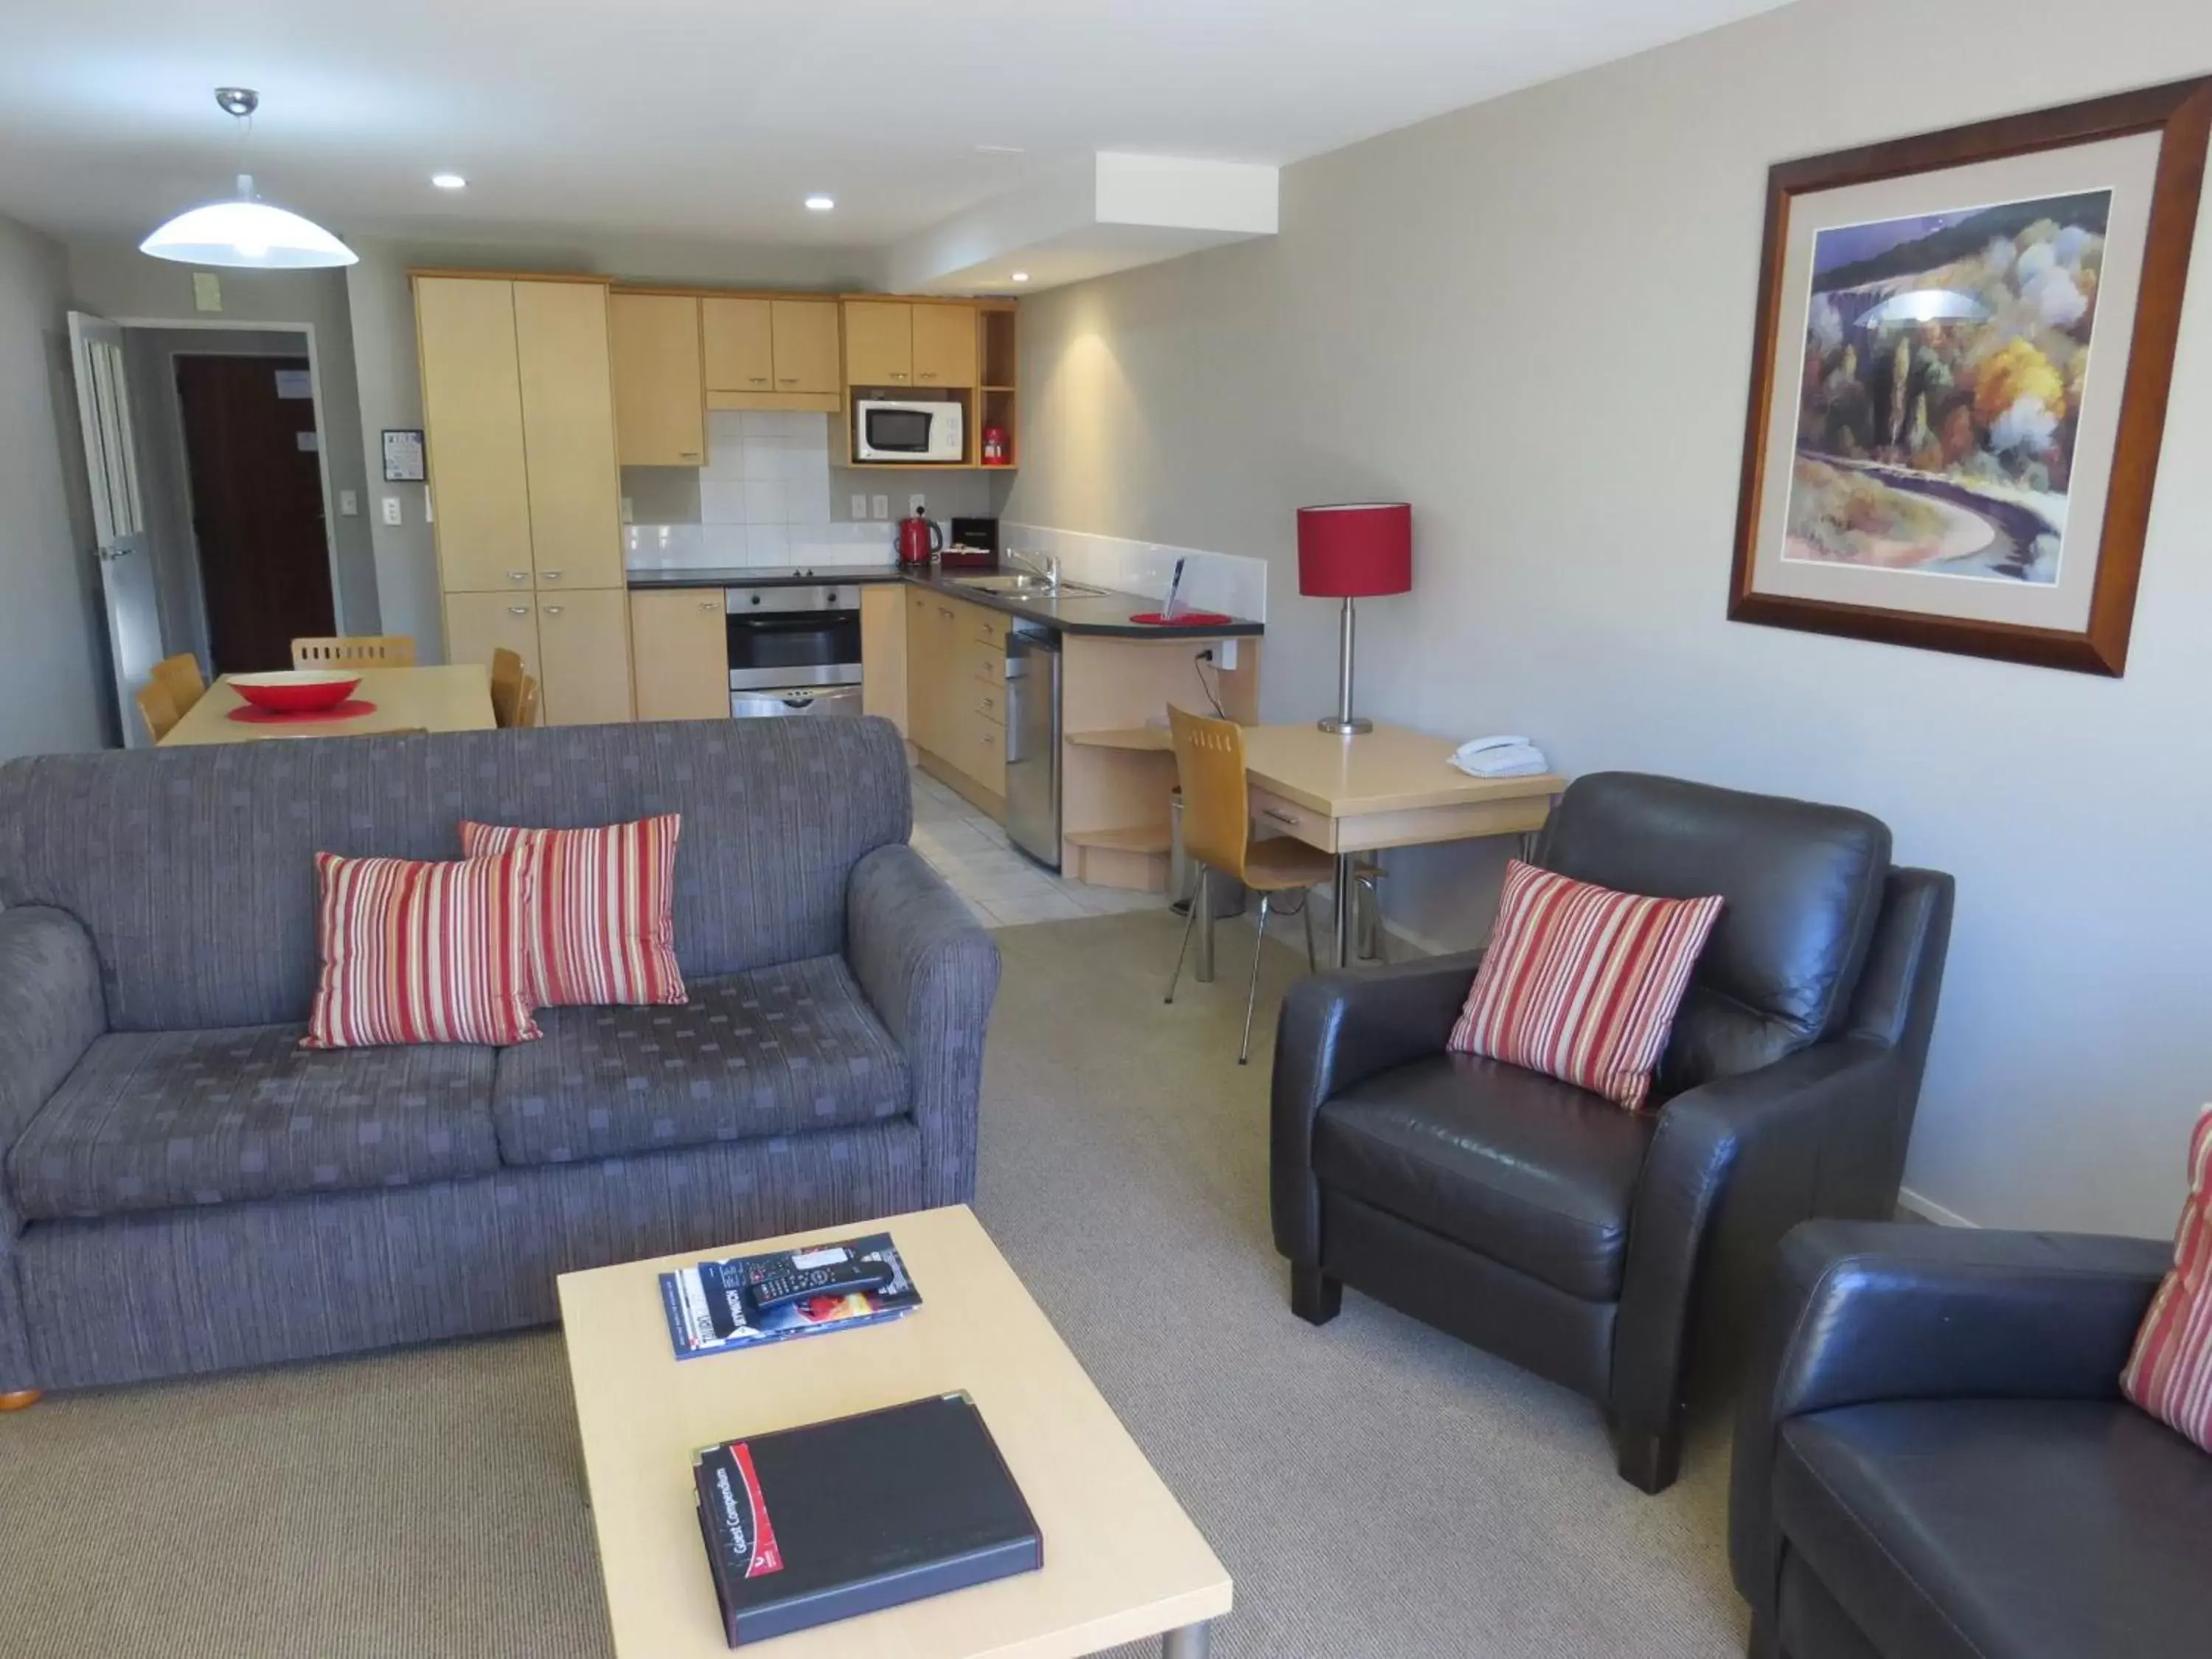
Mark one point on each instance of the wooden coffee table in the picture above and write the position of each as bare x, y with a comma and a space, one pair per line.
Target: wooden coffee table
1121, 1560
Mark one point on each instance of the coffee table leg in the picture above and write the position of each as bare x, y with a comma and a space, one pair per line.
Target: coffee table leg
1190, 1641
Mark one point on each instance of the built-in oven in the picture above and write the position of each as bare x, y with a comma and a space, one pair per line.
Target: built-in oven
795, 649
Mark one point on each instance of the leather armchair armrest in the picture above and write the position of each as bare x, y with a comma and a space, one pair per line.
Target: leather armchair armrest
1337, 1030
931, 972
1866, 1311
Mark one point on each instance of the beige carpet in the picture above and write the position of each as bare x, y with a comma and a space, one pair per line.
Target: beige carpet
1378, 1490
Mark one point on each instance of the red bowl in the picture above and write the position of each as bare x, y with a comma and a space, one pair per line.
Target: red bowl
295, 691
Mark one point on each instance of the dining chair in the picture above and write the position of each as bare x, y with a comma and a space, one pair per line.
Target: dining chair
507, 678
181, 676
355, 651
525, 702
158, 706
1217, 835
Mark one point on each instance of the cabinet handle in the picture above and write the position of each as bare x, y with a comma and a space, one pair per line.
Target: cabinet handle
709, 604
550, 575
899, 376
758, 379
517, 610
555, 610
789, 379
686, 454
517, 575
1281, 816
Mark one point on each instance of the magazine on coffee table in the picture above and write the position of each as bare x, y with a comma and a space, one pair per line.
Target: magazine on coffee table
713, 1307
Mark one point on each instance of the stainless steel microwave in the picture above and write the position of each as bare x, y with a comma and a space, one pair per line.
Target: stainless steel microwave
909, 429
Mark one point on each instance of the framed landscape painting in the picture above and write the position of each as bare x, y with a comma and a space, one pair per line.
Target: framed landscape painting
1959, 380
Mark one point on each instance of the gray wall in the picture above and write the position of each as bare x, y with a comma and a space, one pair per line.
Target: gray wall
54, 689
112, 278
1533, 318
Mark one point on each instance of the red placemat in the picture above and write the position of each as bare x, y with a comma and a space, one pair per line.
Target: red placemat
351, 710
1186, 619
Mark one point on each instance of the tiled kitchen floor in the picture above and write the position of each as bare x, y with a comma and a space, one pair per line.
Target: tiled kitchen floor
1001, 886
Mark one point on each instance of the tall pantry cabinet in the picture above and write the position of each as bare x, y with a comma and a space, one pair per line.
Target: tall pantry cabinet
519, 413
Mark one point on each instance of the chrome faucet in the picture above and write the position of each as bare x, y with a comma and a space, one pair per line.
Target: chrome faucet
1046, 565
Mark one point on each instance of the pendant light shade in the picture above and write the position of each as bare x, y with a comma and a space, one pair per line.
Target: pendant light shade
246, 233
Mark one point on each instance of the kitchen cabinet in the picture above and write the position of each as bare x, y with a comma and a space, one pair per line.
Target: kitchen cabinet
956, 693
760, 352
737, 336
878, 343
660, 397
583, 642
945, 347
883, 653
472, 412
568, 418
478, 625
680, 642
805, 336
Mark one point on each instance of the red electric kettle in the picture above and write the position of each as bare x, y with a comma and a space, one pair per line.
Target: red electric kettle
918, 538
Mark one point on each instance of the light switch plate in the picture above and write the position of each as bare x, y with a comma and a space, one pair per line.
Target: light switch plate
392, 509
860, 506
349, 504
207, 291
882, 507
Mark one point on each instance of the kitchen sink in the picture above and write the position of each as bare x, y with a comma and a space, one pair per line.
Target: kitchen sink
1025, 583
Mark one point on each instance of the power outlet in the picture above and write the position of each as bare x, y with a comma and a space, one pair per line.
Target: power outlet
916, 503
392, 509
349, 504
860, 506
883, 505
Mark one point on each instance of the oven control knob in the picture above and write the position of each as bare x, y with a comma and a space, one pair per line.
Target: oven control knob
755, 599
828, 595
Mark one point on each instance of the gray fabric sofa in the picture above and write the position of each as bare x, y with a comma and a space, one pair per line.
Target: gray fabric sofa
183, 1188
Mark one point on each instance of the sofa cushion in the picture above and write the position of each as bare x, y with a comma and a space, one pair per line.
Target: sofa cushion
2169, 1372
773, 1052
2004, 1528
154, 1121
601, 927
1533, 1173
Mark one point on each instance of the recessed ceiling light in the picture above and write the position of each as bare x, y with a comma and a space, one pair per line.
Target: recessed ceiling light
1021, 275
1001, 149
449, 181
820, 204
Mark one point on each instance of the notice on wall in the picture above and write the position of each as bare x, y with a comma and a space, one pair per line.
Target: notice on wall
294, 382
309, 442
403, 458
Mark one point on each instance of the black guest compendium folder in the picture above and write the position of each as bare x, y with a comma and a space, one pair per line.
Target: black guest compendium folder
814, 1524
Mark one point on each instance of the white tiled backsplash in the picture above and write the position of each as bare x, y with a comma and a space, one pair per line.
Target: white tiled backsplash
763, 503
1211, 581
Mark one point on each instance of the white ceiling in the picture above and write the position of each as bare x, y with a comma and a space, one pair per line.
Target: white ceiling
712, 119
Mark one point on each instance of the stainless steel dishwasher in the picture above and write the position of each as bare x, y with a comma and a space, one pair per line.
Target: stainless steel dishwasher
1033, 741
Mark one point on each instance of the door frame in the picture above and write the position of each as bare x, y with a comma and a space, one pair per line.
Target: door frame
248, 326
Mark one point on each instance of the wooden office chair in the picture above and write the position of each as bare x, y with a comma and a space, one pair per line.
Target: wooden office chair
158, 707
355, 651
181, 676
507, 678
1217, 832
525, 703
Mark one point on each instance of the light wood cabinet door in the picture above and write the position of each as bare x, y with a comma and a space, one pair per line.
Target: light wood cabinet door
569, 434
878, 343
473, 417
583, 641
805, 334
680, 641
478, 625
660, 395
927, 642
737, 339
944, 346
883, 653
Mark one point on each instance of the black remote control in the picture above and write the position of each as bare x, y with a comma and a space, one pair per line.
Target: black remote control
778, 1290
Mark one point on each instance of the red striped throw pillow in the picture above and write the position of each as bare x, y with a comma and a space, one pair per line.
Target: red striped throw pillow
2169, 1374
415, 952
1581, 982
602, 926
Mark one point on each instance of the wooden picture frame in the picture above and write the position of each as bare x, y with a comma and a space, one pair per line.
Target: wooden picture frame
1920, 440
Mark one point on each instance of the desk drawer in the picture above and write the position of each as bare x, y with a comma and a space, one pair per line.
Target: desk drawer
1273, 816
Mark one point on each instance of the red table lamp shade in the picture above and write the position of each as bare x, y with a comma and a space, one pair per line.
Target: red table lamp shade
1356, 551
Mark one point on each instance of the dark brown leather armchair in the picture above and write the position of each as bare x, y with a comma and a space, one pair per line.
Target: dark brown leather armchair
1617, 1253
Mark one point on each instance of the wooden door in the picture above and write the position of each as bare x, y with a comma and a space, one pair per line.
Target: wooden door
569, 434
737, 339
878, 343
805, 344
680, 641
944, 348
583, 640
478, 625
251, 457
883, 652
660, 397
472, 413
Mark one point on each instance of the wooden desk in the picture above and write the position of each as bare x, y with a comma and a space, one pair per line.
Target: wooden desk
456, 698
1387, 787
1122, 1562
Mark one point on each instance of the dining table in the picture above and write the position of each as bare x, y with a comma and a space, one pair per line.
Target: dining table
448, 697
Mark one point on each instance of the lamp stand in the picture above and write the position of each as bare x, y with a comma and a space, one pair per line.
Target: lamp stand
1345, 723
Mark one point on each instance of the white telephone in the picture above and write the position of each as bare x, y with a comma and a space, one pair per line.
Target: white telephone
1473, 746
1505, 756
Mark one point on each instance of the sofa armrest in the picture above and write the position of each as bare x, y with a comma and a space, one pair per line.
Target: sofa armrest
1866, 1311
51, 1009
1337, 1030
931, 972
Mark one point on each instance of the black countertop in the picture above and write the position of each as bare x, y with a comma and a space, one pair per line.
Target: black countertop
1099, 614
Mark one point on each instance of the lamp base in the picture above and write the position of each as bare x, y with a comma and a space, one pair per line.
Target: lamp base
1358, 725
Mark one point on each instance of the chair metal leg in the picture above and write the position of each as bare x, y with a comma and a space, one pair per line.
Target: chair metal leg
1313, 963
1202, 898
1197, 899
1252, 996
